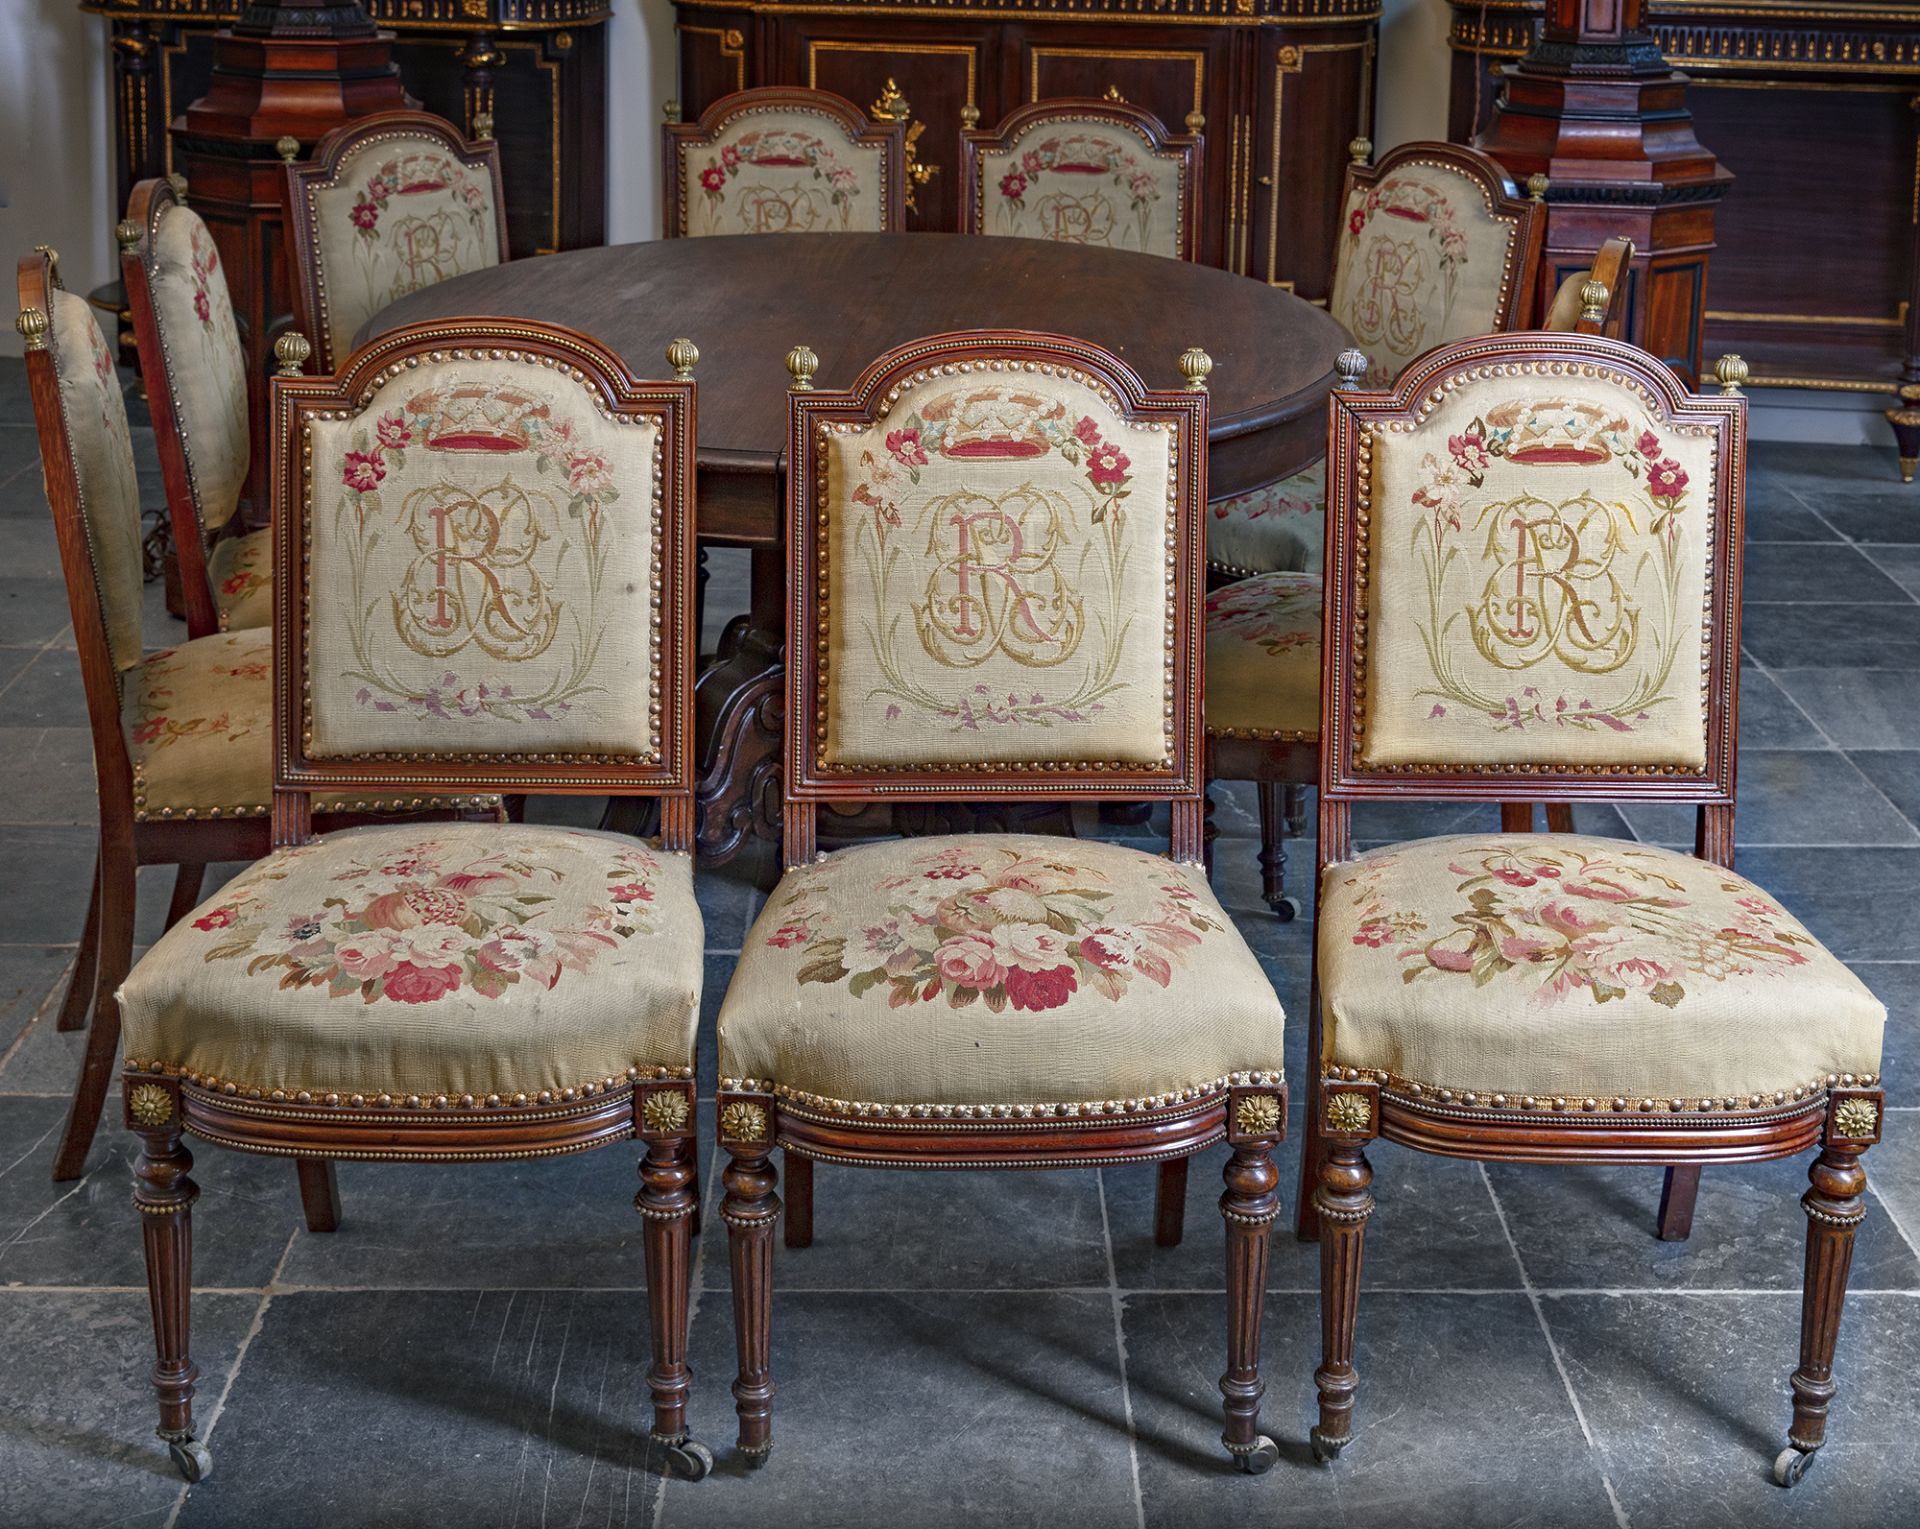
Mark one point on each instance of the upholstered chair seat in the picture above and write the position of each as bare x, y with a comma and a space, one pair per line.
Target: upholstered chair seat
240, 569
1263, 658
1277, 529
454, 962
1570, 974
973, 971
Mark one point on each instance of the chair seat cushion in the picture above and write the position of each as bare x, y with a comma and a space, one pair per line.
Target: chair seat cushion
1263, 658
240, 568
430, 959
979, 970
1277, 529
1527, 966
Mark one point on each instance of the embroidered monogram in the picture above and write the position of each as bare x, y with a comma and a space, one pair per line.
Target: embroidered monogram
787, 170
1089, 184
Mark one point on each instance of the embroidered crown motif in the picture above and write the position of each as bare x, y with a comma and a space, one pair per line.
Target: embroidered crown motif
1557, 431
995, 422
479, 416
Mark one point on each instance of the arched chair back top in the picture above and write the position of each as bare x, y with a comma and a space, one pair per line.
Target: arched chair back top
196, 375
387, 205
994, 576
1435, 244
484, 568
781, 159
1571, 311
1084, 172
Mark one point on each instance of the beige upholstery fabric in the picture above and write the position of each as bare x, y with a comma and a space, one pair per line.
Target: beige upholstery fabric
782, 170
484, 550
1263, 657
1553, 964
430, 959
996, 566
399, 214
986, 969
1083, 180
1537, 553
1419, 261
240, 568
1281, 528
206, 368
95, 418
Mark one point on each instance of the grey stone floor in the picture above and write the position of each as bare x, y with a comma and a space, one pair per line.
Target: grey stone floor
468, 1349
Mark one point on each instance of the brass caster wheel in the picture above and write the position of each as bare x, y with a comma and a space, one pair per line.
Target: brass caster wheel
191, 1459
1286, 909
690, 1460
1258, 1460
1326, 1450
1791, 1464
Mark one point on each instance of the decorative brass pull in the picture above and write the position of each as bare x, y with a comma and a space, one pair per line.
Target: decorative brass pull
892, 107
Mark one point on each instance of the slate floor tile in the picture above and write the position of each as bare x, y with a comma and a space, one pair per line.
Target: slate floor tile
50, 776
1817, 472
1789, 796
1901, 564
1800, 574
29, 975
1869, 708
33, 611
1858, 902
1838, 636
1893, 1174
1769, 717
1897, 985
1896, 772
46, 693
1868, 517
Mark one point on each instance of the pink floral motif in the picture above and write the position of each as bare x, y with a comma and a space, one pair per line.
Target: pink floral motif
363, 471
713, 178
906, 448
1013, 185
365, 215
1107, 466
392, 431
202, 307
1666, 479
1469, 452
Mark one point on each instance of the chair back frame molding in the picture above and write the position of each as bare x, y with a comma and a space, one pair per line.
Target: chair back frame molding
303, 178
1134, 121
889, 137
298, 402
808, 780
1613, 269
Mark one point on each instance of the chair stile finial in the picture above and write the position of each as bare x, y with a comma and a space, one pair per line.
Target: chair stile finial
683, 356
291, 351
32, 325
1361, 150
1195, 365
802, 363
1351, 368
1730, 371
1593, 301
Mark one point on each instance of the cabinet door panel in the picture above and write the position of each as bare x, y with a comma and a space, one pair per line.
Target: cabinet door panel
1314, 99
1169, 81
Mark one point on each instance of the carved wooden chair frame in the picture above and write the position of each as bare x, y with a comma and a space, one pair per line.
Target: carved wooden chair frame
1350, 1109
162, 1104
303, 179
755, 1118
677, 136
1602, 311
1187, 149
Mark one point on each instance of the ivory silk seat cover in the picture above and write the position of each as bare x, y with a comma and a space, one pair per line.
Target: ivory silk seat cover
1263, 657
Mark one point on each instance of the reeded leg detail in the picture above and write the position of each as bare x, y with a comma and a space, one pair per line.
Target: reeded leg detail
1344, 1202
749, 1210
164, 1196
667, 1201
1250, 1204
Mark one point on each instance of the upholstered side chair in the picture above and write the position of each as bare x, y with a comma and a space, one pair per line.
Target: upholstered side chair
180, 736
481, 584
195, 369
994, 585
783, 160
388, 204
1084, 172
1533, 587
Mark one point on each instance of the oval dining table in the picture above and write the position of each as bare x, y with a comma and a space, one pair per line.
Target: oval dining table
746, 300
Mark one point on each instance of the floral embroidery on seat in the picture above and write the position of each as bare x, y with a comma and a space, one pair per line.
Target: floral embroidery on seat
1277, 613
1571, 919
810, 189
416, 924
988, 925
1059, 190
158, 725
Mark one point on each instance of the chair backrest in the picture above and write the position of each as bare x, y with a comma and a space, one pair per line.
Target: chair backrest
196, 375
1435, 244
387, 205
483, 562
1577, 309
994, 580
782, 160
1532, 587
1084, 172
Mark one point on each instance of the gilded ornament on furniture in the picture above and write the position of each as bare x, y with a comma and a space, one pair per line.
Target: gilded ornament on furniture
893, 107
1856, 1119
741, 1121
1349, 1112
150, 1105
1257, 1115
664, 1110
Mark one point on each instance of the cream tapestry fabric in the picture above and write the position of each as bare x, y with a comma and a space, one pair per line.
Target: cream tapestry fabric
484, 551
95, 418
1263, 657
1538, 552
1083, 181
400, 214
1553, 964
447, 959
1281, 528
1419, 262
240, 568
782, 170
206, 368
987, 969
995, 552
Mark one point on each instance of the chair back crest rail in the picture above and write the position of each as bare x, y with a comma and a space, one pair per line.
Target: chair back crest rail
388, 204
483, 571
994, 580
1086, 171
782, 159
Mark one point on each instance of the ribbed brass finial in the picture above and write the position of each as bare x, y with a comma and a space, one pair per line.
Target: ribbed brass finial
1731, 372
683, 356
179, 184
483, 125
287, 147
1537, 185
291, 351
672, 110
801, 365
1196, 121
1593, 301
32, 324
969, 116
1195, 365
1351, 367
1361, 149
126, 233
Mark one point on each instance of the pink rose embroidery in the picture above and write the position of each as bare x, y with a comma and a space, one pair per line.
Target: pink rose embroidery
1107, 465
409, 983
392, 431
365, 215
1013, 185
1666, 479
363, 471
713, 178
905, 446
203, 309
220, 918
1470, 451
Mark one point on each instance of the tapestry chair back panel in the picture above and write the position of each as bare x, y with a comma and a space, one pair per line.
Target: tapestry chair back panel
782, 165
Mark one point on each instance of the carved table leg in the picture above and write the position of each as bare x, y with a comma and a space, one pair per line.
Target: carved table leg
749, 1210
164, 1196
667, 1200
739, 705
1344, 1204
1906, 429
1250, 1203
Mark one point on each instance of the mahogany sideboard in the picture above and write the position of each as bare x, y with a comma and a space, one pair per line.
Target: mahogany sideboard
1280, 86
1811, 105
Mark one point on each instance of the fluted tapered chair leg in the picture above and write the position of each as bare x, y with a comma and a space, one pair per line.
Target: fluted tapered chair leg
666, 1201
164, 1196
1344, 1202
1250, 1204
750, 1209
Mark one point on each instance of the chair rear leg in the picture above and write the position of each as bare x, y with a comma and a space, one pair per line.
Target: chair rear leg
1170, 1203
319, 1193
1516, 817
186, 890
1678, 1191
164, 1196
797, 1202
1559, 817
103, 1040
1273, 852
79, 1000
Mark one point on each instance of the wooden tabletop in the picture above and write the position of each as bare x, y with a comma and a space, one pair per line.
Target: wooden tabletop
745, 301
